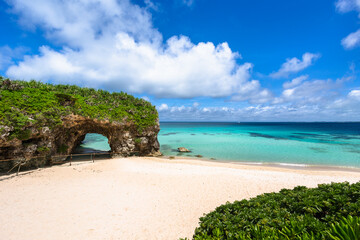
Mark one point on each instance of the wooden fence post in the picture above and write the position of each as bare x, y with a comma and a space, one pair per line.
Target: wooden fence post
17, 173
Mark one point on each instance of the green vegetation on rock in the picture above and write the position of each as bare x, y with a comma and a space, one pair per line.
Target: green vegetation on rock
43, 149
38, 104
330, 211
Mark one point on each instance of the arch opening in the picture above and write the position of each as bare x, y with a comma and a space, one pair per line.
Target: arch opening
92, 144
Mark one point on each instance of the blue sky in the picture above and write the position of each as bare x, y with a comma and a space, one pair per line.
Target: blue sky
195, 60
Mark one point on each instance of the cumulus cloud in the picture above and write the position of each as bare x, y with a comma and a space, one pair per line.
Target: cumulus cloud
294, 65
314, 92
343, 109
344, 6
253, 92
348, 106
299, 92
113, 45
328, 107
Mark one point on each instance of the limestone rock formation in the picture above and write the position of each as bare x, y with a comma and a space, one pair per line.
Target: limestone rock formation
43, 146
40, 123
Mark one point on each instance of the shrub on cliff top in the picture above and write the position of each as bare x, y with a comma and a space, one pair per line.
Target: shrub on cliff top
23, 103
301, 213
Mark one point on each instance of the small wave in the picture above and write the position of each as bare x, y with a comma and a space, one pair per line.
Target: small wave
292, 164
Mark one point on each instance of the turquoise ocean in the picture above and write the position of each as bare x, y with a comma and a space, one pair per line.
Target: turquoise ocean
293, 144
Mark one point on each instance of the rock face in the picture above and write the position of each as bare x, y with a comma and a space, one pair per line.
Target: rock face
41, 146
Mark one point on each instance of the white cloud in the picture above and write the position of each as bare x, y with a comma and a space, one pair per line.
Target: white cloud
344, 6
253, 92
354, 94
112, 44
146, 98
295, 81
349, 105
77, 23
163, 107
340, 110
325, 108
294, 65
316, 92
352, 40
302, 99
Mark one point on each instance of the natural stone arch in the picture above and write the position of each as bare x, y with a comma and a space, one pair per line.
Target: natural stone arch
34, 134
45, 146
124, 138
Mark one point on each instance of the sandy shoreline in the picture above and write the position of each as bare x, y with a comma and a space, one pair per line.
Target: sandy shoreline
136, 198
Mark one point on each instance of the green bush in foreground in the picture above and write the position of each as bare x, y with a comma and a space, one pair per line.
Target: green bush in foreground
346, 229
302, 213
38, 104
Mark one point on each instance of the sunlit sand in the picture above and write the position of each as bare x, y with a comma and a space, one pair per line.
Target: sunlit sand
135, 198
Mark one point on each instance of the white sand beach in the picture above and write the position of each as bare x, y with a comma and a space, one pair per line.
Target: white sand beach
135, 198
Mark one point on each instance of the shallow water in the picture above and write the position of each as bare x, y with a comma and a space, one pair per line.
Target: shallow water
93, 143
330, 144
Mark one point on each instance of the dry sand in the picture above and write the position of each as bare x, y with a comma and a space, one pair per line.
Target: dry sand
135, 198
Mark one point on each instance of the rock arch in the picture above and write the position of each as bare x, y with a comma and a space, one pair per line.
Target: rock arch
124, 138
43, 144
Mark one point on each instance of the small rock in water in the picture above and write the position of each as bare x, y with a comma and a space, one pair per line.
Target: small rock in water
199, 156
182, 149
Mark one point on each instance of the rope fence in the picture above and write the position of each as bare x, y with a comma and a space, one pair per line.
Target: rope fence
68, 158
67, 155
